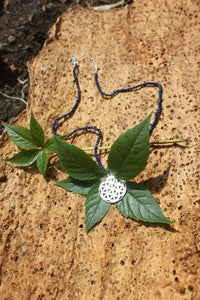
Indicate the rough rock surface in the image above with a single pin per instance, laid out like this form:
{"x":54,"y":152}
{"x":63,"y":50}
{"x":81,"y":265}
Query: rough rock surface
{"x":45,"y":252}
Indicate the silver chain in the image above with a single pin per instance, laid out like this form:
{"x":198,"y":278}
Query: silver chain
{"x":75,"y":59}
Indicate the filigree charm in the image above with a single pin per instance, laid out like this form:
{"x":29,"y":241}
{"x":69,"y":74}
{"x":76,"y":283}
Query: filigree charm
{"x":112,"y":190}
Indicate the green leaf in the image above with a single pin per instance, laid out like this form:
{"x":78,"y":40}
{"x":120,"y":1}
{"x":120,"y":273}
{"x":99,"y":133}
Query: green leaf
{"x":129,"y":153}
{"x":36,"y":131}
{"x":20,"y":136}
{"x":76,"y":186}
{"x":42,"y":161}
{"x":96,"y":208}
{"x":76,"y":162}
{"x":50,"y":146}
{"x":139,"y":204}
{"x":24,"y":158}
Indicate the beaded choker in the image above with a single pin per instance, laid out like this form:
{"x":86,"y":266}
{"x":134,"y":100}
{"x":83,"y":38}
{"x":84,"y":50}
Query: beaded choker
{"x":74,"y":61}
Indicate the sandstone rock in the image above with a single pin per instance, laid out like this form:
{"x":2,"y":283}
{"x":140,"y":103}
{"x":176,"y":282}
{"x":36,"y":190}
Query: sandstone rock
{"x":45,"y":252}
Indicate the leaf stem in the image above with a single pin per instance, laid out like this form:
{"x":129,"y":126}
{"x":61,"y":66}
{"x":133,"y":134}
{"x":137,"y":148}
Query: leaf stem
{"x":99,"y":148}
{"x":151,"y":143}
{"x":168,"y":142}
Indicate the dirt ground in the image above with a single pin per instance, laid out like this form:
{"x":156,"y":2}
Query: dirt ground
{"x":45,"y":252}
{"x":24,"y":27}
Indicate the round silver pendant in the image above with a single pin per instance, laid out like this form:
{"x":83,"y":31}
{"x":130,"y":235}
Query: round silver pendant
{"x":112,"y":190}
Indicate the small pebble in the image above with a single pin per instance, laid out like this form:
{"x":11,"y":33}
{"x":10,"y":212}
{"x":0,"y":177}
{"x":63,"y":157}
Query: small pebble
{"x":27,"y":48}
{"x":11,"y":39}
{"x":2,"y":46}
{"x":30,"y":18}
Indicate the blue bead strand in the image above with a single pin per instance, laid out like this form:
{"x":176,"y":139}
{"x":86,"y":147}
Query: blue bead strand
{"x":139,"y":86}
{"x":130,"y":89}
{"x":75,"y":105}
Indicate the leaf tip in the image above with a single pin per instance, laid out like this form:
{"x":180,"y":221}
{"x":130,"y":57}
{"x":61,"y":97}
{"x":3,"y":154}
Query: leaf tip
{"x":32,"y":116}
{"x":171,"y":222}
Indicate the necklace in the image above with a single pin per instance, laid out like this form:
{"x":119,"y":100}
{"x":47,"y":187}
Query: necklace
{"x":74,"y":61}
